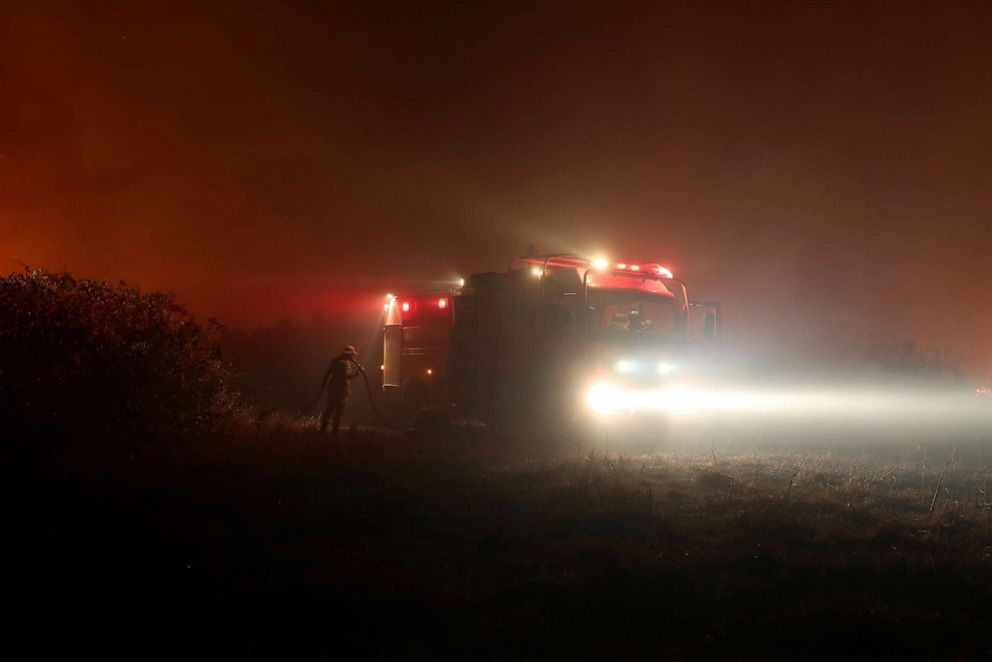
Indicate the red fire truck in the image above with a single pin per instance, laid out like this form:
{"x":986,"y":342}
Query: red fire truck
{"x":553,"y":334}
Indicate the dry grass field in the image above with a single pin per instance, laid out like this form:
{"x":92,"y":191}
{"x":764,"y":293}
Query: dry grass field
{"x":283,"y":543}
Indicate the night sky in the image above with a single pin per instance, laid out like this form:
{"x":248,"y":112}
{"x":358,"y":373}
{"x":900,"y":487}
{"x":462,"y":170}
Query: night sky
{"x":822,"y":168}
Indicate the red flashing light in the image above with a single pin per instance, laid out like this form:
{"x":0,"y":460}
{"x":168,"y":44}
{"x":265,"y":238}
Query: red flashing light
{"x":405,"y":307}
{"x":442,"y":303}
{"x":653,"y":268}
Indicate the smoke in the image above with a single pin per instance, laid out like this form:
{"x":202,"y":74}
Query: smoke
{"x":810,"y":166}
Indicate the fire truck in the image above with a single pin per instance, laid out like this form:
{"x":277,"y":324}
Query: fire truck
{"x":553,"y":335}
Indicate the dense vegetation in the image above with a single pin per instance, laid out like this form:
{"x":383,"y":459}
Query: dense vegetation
{"x":83,"y":361}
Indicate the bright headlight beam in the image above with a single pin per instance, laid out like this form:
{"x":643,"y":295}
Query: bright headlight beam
{"x":604,"y":398}
{"x":825,"y":404}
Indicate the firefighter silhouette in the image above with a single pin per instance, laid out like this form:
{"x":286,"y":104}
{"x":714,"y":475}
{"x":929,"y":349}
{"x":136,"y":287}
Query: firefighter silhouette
{"x":337,"y":379}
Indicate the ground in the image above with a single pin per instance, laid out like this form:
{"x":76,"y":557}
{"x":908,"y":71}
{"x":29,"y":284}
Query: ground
{"x":284,"y":543}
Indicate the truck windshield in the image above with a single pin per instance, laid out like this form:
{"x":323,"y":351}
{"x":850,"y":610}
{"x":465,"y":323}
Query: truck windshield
{"x":632,"y":315}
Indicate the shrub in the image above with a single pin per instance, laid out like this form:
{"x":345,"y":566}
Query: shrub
{"x":906,"y":360}
{"x":82,"y":361}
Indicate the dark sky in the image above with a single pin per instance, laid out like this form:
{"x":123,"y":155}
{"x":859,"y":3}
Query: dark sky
{"x":822,"y":168}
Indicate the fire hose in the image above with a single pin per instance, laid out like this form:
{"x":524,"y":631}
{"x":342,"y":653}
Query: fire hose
{"x":368,"y":389}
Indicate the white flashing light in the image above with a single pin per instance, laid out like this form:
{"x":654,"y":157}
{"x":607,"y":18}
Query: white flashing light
{"x":536,"y":271}
{"x":600,"y":263}
{"x":389,"y":297}
{"x":635,"y":267}
{"x":665,"y":272}
{"x":621,"y":265}
{"x":442,"y":303}
{"x":405,"y":307}
{"x":665,"y":368}
{"x":461,"y":282}
{"x":385,"y":307}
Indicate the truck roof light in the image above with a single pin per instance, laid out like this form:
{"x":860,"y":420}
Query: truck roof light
{"x":621,"y":265}
{"x":600,"y":263}
{"x":635,"y":267}
{"x":665,"y":272}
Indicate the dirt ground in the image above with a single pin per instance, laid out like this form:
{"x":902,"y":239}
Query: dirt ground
{"x":286,"y":544}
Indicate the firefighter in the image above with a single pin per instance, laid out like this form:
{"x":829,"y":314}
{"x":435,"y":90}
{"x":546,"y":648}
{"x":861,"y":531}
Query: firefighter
{"x":337,"y":379}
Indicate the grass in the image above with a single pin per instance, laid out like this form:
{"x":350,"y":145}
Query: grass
{"x":283,"y":543}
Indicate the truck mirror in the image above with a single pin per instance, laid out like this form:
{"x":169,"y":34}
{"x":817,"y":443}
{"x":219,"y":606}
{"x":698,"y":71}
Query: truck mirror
{"x":709,"y":329}
{"x":709,"y":324}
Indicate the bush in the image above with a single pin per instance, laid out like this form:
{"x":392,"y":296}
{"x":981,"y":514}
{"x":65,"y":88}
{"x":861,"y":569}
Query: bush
{"x":83,"y":361}
{"x":905,"y":360}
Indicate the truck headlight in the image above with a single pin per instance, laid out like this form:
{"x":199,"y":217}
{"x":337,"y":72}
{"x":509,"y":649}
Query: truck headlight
{"x":604,"y":398}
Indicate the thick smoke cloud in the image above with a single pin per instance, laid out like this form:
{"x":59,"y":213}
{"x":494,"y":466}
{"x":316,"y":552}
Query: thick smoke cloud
{"x":821,"y":169}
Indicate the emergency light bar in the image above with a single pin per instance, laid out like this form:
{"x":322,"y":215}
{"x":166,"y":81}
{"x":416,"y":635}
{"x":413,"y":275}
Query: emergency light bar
{"x":538,"y":264}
